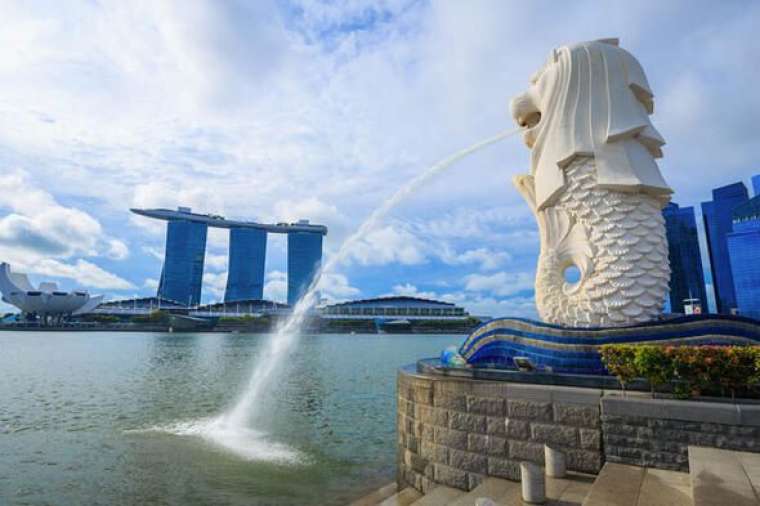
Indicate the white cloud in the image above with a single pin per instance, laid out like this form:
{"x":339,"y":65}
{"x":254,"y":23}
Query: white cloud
{"x":501,"y":283}
{"x":410,"y":290}
{"x":387,"y":245}
{"x":488,"y":260}
{"x":335,"y":287}
{"x":117,"y":250}
{"x":215,"y":283}
{"x":150,"y":284}
{"x":316,"y":110}
{"x":215,"y":262}
{"x":276,"y":286}
{"x":82,"y":272}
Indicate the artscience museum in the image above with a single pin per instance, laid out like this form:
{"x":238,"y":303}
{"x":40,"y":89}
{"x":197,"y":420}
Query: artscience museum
{"x":46,"y":302}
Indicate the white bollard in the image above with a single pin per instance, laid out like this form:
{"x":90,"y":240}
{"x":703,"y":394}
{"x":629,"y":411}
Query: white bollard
{"x":556,"y":462}
{"x":533,"y":483}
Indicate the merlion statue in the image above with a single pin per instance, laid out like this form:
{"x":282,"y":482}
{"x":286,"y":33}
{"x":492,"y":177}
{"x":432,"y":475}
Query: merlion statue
{"x":595,"y":187}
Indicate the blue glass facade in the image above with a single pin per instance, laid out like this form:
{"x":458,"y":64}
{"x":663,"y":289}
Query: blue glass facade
{"x":744,"y":253}
{"x":686,"y":278}
{"x":245,"y":278}
{"x":304,"y":260}
{"x":718,"y":218}
{"x":182,"y":273}
{"x":756,"y":185}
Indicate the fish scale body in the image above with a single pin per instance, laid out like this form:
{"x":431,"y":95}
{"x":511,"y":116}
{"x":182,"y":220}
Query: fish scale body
{"x":629,"y":275}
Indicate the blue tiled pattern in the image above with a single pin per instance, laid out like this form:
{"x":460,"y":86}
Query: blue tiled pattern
{"x":573,"y":350}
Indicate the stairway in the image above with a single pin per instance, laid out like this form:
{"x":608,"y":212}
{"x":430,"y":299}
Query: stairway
{"x":568,"y":491}
{"x":716,"y":478}
{"x":722,"y":477}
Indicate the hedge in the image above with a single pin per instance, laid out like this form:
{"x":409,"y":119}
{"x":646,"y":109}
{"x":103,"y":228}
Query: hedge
{"x":686,"y":370}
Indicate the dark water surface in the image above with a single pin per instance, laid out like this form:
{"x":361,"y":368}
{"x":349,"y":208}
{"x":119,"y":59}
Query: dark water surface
{"x":79,"y":412}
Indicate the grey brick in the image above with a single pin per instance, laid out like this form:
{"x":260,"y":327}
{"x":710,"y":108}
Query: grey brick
{"x":468,"y":461}
{"x":450,"y":401}
{"x":495,"y":426}
{"x":524,"y":450}
{"x":496,"y":446}
{"x":451,"y":438}
{"x":467,"y":422}
{"x":477,"y":443}
{"x":485,"y":405}
{"x":556,"y":434}
{"x":540,"y":411}
{"x":503,"y":468}
{"x":590,"y":439}
{"x":517,"y":429}
{"x":577,"y":415}
{"x":451,"y":477}
{"x":434,"y":452}
{"x":584,"y":460}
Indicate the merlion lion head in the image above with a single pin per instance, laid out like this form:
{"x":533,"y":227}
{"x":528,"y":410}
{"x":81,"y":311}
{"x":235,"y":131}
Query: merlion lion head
{"x":591,"y":99}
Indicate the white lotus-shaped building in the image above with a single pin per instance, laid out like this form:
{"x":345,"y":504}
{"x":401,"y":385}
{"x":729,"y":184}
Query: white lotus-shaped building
{"x":47,"y":300}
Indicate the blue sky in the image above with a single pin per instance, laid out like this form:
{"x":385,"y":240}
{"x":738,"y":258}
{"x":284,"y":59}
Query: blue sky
{"x":301,"y":109}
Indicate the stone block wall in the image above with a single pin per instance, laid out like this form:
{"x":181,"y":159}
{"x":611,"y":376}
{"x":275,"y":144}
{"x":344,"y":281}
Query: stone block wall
{"x":658,"y":432}
{"x":457,"y":431}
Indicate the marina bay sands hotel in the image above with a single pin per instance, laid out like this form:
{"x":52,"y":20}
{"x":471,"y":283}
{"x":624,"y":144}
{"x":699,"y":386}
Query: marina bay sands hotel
{"x":182,"y":272}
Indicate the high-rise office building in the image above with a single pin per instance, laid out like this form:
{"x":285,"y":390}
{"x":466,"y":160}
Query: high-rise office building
{"x":744,"y":254}
{"x":304,"y":261}
{"x":182,"y":273}
{"x":686,"y":277}
{"x":245,"y":276}
{"x":756,"y":184}
{"x":718,"y":218}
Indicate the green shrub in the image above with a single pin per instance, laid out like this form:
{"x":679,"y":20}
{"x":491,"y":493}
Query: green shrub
{"x":690,"y":370}
{"x":619,"y":361}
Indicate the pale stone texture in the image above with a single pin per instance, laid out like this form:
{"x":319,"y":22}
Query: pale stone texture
{"x":461,"y":443}
{"x":595,"y":187}
{"x":455,"y":432}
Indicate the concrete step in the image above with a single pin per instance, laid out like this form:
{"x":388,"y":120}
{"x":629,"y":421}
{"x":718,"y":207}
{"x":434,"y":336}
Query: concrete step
{"x":622,"y":485}
{"x":377,"y":496}
{"x":403,"y":498}
{"x":616,"y":485}
{"x":439,"y":496}
{"x":723,"y":477}
{"x":665,"y":488}
{"x":569,"y":491}
{"x":492,"y":488}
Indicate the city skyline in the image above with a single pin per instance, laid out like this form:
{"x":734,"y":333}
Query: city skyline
{"x":321,"y":115}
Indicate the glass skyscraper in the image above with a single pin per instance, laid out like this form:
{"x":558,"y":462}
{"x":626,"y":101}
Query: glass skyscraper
{"x":686,"y":278}
{"x":245,"y":278}
{"x":756,"y":185}
{"x":744,"y":253}
{"x":182,"y":273}
{"x":304,"y":260}
{"x":718,"y":218}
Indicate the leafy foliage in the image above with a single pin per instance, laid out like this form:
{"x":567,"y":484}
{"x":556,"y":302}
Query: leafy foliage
{"x":688,"y":370}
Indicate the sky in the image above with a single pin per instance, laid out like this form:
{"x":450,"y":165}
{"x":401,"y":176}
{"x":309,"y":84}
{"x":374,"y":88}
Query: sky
{"x":277,"y":111}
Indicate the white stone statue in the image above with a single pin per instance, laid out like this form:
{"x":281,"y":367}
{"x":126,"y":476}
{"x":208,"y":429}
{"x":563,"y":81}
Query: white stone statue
{"x":595,"y":187}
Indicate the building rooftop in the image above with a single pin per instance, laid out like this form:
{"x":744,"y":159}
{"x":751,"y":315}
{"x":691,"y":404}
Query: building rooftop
{"x":749,"y":210}
{"x":214,"y":220}
{"x":395,"y":300}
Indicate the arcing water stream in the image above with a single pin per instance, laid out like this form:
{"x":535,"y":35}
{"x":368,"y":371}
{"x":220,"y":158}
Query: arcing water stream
{"x":231,"y":429}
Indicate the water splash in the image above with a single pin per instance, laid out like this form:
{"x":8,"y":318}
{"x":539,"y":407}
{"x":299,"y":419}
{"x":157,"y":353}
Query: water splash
{"x":230,"y":429}
{"x":247,"y":443}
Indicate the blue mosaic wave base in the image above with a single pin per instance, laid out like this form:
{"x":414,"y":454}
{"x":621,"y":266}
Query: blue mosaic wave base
{"x":575,"y":350}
